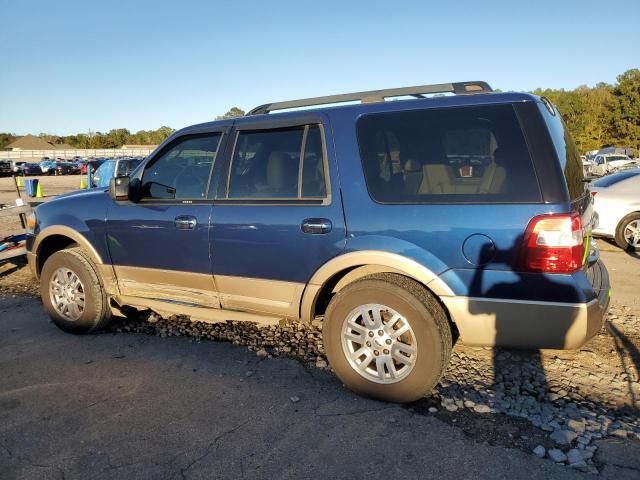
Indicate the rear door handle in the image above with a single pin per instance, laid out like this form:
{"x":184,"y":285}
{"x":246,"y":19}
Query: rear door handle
{"x":185,"y":222}
{"x":316,"y":226}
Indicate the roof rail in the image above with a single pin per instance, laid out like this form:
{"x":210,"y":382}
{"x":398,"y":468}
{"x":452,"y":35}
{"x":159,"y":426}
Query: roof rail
{"x":373,"y":96}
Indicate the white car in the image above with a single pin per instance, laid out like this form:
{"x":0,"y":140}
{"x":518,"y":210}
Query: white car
{"x":608,"y":163}
{"x":587,"y":167}
{"x":617,"y":203}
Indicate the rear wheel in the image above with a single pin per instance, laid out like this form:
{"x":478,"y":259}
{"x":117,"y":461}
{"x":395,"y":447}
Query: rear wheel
{"x":628,"y":233}
{"x":387,"y":337}
{"x":72,"y":292}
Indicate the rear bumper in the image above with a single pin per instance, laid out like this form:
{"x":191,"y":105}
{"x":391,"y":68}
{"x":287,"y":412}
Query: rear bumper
{"x":532,"y":324}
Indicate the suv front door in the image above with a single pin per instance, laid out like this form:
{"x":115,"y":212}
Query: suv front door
{"x":159,"y":242}
{"x":277,"y":215}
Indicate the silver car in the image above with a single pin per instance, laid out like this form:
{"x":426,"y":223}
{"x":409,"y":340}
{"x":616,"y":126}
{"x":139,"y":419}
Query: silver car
{"x":609,"y":163}
{"x":617,"y":202}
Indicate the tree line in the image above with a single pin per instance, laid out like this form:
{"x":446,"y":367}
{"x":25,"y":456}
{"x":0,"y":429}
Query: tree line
{"x":601,"y":116}
{"x":114,"y":138}
{"x":604,"y":115}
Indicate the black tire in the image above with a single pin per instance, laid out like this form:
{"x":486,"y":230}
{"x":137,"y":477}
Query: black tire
{"x":96,"y":313}
{"x":619,"y":238}
{"x":426,"y":317}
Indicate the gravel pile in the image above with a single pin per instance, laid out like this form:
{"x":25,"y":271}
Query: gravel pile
{"x":577,"y":397}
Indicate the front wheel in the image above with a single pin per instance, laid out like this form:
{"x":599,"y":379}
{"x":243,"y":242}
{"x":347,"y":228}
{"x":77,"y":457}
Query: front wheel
{"x":72,"y":292}
{"x":387,"y":337}
{"x":628,"y":233}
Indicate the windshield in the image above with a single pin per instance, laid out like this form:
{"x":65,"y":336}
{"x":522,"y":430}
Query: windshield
{"x":618,"y":157}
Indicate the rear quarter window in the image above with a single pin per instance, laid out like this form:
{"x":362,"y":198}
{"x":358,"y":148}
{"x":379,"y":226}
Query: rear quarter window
{"x":567,"y":152}
{"x":448,"y":155}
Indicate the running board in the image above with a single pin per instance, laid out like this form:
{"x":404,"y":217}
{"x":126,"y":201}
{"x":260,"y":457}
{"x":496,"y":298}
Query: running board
{"x":197,"y":314}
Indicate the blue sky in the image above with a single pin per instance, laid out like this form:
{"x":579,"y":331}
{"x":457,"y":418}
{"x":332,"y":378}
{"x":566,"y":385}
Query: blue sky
{"x":70,"y":66}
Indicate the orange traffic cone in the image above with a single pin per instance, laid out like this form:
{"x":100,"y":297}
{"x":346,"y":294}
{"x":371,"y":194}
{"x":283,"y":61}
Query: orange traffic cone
{"x":39,"y":191}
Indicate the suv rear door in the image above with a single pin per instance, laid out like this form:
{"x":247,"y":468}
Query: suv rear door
{"x":277,"y":214}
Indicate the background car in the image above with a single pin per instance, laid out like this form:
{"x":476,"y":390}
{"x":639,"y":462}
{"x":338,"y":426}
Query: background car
{"x":48,"y":167}
{"x":114,"y":168}
{"x":31,"y":169}
{"x":5,"y":167}
{"x":608,"y":163}
{"x":16,"y":166}
{"x":617,"y":202}
{"x":95,"y":164}
{"x":67,"y":168}
{"x":587,"y":167}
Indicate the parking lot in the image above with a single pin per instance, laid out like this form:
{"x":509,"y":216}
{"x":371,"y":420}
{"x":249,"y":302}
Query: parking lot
{"x":166,"y":399}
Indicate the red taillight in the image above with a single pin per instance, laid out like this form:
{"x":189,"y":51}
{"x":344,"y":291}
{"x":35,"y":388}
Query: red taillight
{"x":593,"y":194}
{"x":554,"y":244}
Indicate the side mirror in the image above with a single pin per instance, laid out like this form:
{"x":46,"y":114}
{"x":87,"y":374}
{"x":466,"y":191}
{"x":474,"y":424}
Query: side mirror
{"x":119,"y":188}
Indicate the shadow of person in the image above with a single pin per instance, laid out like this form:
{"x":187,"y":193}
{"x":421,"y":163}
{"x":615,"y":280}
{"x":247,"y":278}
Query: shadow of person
{"x":519,"y":306}
{"x":625,"y":347}
{"x":11,"y":267}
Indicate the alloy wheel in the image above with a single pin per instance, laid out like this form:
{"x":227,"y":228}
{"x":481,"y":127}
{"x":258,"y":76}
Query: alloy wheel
{"x":67,"y":294}
{"x":379,"y":343}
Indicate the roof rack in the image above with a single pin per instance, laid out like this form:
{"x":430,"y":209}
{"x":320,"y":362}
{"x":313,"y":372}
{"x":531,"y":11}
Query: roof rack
{"x":373,"y":96}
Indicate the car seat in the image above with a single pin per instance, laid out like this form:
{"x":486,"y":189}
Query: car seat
{"x":494,"y":174}
{"x":282,"y":176}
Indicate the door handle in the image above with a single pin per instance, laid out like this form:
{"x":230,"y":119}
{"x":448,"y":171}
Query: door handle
{"x":316,"y":226}
{"x":185,"y":222}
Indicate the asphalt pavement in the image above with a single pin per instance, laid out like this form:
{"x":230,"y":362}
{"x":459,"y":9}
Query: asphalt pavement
{"x":138,"y":406}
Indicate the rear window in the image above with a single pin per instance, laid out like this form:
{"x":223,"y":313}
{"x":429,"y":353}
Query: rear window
{"x":453,"y":155}
{"x":615,"y":178}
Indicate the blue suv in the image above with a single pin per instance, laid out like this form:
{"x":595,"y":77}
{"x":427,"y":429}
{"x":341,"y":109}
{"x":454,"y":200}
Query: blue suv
{"x":404,"y":225}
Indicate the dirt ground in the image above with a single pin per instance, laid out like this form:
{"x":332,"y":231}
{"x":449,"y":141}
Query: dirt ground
{"x":51,"y":186}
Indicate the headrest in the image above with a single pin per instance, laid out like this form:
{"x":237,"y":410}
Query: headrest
{"x":412,"y":165}
{"x":280,"y":169}
{"x":500,"y":156}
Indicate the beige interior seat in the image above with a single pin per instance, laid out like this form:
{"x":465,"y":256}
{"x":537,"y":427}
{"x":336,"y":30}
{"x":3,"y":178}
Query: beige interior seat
{"x":437,"y":178}
{"x":282,"y":175}
{"x":494,"y":174}
{"x":413,"y":176}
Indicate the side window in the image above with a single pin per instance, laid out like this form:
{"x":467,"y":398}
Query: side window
{"x":284,"y":163}
{"x":452,"y":155}
{"x":181,"y":171}
{"x":314,"y":183}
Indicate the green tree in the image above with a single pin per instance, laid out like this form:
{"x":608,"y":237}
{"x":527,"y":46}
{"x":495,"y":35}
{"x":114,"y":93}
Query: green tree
{"x":626,"y":120}
{"x":160,"y":135}
{"x":6,"y":139}
{"x":234,"y":112}
{"x":597,"y":125}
